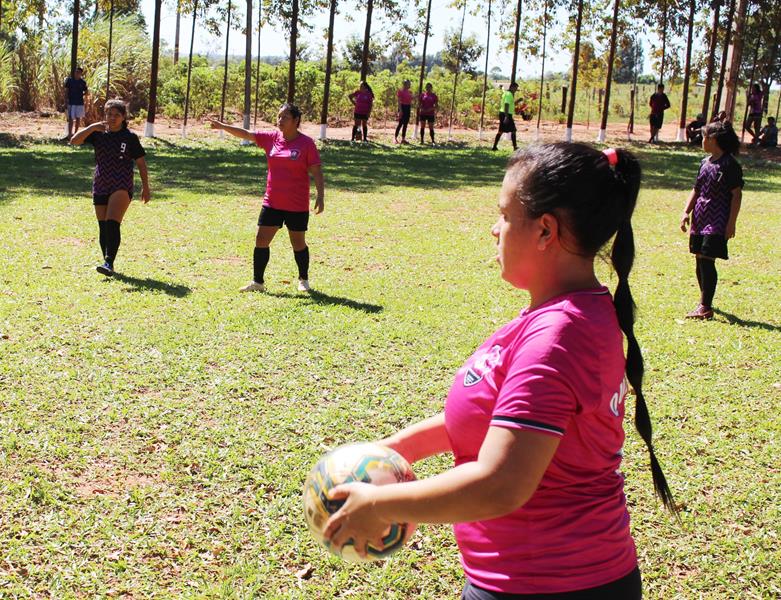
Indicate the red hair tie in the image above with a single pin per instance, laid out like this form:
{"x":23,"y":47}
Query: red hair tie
{"x":612,"y":156}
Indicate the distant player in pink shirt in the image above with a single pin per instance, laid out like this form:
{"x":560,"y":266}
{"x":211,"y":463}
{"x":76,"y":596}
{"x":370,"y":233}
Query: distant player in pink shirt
{"x":427,"y":111}
{"x":534,"y":417}
{"x":362,"y":99}
{"x":292,"y":159}
{"x":404,"y":96}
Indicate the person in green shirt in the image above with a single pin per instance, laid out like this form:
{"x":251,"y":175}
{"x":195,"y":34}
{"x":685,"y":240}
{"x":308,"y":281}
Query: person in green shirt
{"x":506,"y":111}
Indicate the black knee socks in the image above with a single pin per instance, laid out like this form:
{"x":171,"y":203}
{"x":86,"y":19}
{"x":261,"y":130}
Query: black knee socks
{"x":302,"y":260}
{"x":398,"y":128}
{"x":497,"y":138}
{"x":365,"y":129}
{"x":431,"y":132}
{"x":709,"y":278}
{"x":102,"y":238}
{"x":259,"y":261}
{"x":515,"y":143}
{"x":113,"y":240}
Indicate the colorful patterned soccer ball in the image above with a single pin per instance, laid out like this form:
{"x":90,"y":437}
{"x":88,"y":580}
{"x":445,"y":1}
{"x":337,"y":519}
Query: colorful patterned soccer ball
{"x":369,"y":463}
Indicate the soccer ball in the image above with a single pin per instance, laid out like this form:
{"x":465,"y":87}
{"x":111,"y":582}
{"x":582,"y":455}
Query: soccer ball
{"x":369,"y":463}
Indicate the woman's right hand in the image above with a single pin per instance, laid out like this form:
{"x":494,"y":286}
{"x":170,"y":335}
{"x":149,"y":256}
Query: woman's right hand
{"x":685,"y":222}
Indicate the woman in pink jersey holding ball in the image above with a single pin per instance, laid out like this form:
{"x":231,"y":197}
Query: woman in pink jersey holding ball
{"x":534,"y":416}
{"x":292,"y":159}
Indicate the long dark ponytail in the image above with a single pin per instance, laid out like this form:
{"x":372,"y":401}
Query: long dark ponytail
{"x":595,"y":194}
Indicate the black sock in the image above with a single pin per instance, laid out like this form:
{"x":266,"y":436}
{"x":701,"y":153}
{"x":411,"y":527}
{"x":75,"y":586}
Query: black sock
{"x":102,"y":238}
{"x":398,"y":128}
{"x":515,"y":143}
{"x":259,"y":261}
{"x":302,"y":260}
{"x":365,"y":131}
{"x":404,"y":131}
{"x":698,"y":271}
{"x":497,"y":138}
{"x":113,"y":240}
{"x":422,"y":132}
{"x":709,"y":280}
{"x":431,"y":132}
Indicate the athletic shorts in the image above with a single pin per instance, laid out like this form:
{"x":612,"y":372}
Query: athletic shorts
{"x":102,"y":199}
{"x":361,"y":116}
{"x":506,"y":125}
{"x":427,"y":118}
{"x":656,"y":120}
{"x":629,"y":587}
{"x":754,"y":119}
{"x":404,"y":114}
{"x":273,"y":217}
{"x":710,"y":245}
{"x":75,"y":111}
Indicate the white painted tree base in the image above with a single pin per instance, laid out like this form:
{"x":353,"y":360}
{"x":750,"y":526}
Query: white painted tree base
{"x":601,"y":136}
{"x":480,"y":135}
{"x":222,"y":134}
{"x":681,"y":137}
{"x":507,"y":137}
{"x":149,"y":130}
{"x":568,"y":134}
{"x":184,"y":131}
{"x":537,"y":134}
{"x":323,"y":130}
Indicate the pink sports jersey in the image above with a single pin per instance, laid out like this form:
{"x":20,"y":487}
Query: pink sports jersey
{"x":404,"y":96}
{"x":428,"y":101}
{"x":556,"y":370}
{"x":287,"y":183}
{"x":363,"y":102}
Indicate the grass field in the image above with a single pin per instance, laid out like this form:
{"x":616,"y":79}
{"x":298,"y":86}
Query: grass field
{"x":156,"y":429}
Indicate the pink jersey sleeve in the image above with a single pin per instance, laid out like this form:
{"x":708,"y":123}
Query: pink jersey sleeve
{"x":547,"y":376}
{"x":265,"y":139}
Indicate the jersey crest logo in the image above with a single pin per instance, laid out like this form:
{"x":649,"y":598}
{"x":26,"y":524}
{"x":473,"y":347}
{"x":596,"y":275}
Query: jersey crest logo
{"x":294,"y":154}
{"x":484,"y":363}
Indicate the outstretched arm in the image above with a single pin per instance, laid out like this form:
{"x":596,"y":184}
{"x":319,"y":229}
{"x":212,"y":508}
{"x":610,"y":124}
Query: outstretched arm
{"x":233,"y":130}
{"x":78,"y":139}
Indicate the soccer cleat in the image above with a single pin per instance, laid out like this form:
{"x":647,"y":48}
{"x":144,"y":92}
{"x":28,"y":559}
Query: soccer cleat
{"x":105,"y":269}
{"x":702,"y":313}
{"x":303,"y":285}
{"x":253,"y":287}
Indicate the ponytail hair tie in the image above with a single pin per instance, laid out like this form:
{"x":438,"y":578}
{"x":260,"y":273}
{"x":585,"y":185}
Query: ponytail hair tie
{"x":611,"y":155}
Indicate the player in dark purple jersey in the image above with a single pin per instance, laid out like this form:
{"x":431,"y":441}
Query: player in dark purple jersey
{"x":714,"y":204}
{"x":117,"y":152}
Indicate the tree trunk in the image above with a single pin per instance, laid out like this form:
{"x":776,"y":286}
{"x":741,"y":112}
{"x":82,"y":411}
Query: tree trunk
{"x":366,"y":34}
{"x":542,"y":70}
{"x":75,"y":37}
{"x":150,"y":115}
{"x":711,"y":58}
{"x":609,"y":79}
{"x":724,"y":53}
{"x":485,"y":72}
{"x":422,"y":66}
{"x":248,"y":67}
{"x":664,"y":43}
{"x":291,"y":74}
{"x":176,"y":34}
{"x":257,"y":68}
{"x":575,"y":61}
{"x":734,"y":58}
{"x":458,"y":68}
{"x":328,"y":60}
{"x":189,"y":69}
{"x":110,"y":42}
{"x":225,"y":68}
{"x":516,"y":39}
{"x":686,"y":74}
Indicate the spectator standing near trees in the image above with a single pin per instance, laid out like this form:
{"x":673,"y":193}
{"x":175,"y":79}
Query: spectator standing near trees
{"x":506,"y":121}
{"x":754,"y":121}
{"x":659,"y":103}
{"x":427,"y":113}
{"x":404,"y":96}
{"x":75,"y":90}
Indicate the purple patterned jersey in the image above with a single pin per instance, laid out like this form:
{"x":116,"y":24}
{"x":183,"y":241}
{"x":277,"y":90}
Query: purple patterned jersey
{"x":715,"y":182}
{"x":115,"y":156}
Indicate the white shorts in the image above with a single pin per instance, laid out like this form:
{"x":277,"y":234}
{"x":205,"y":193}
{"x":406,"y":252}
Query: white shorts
{"x":75,"y":111}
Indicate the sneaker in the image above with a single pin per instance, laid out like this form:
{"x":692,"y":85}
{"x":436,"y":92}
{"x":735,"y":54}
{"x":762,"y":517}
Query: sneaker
{"x":253,"y":287}
{"x":702,"y":312}
{"x":303,"y":285}
{"x":405,"y":142}
{"x":105,"y":269}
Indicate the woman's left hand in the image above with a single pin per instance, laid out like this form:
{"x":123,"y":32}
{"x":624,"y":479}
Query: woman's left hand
{"x":357,"y":519}
{"x":146,"y":194}
{"x":319,"y":206}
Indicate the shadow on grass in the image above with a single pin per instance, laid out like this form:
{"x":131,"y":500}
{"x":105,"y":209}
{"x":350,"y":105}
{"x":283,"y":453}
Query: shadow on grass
{"x":735,"y":320}
{"x":315,"y":297}
{"x":148,"y":284}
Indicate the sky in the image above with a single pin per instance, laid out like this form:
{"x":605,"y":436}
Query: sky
{"x":273,"y":42}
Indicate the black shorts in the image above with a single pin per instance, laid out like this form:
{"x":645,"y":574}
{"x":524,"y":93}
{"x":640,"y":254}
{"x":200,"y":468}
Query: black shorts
{"x":754,"y":119}
{"x":629,"y":587}
{"x":506,"y":125}
{"x":656,"y":120}
{"x":102,"y":199}
{"x":711,"y":245}
{"x":427,"y":118}
{"x":361,"y":116}
{"x":273,"y":217}
{"x":404,"y":113}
